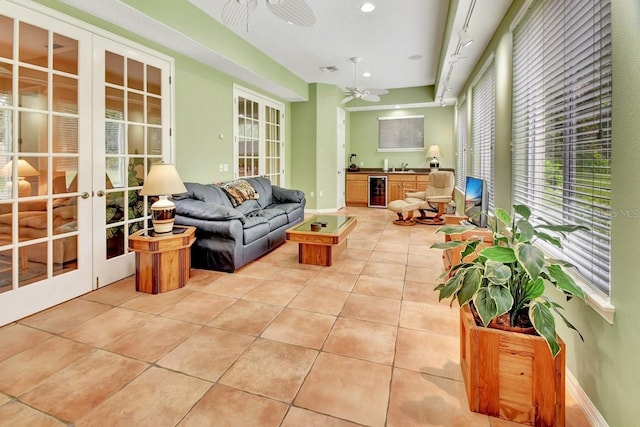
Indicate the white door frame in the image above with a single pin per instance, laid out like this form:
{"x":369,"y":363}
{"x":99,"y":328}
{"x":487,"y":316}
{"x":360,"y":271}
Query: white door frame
{"x":340,"y":197}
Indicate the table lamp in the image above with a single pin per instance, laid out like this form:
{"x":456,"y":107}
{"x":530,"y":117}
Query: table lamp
{"x":24,"y":169}
{"x":163,"y":180}
{"x":434,"y":152}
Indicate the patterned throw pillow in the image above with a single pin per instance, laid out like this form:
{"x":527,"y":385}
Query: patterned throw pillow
{"x":238,"y":191}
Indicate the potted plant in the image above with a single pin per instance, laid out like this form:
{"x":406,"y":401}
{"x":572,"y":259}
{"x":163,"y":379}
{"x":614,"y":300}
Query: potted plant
{"x":499,"y":287}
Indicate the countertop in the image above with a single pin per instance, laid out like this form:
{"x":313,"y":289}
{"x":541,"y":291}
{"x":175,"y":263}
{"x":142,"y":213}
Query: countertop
{"x":370,"y":171}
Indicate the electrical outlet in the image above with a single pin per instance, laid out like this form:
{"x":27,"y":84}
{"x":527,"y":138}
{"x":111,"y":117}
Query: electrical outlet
{"x":225,"y":167}
{"x":320,"y":194}
{"x":361,"y":164}
{"x":221,"y":168}
{"x":312,"y":194}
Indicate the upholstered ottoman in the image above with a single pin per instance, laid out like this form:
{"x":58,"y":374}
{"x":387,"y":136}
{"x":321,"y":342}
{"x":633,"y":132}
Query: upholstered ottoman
{"x":402,"y":208}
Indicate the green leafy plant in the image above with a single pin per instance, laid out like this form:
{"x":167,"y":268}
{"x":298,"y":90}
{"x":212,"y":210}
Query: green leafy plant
{"x":508,"y":279}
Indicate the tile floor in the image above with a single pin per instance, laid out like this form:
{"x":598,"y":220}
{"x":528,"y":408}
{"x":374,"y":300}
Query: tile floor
{"x":363,"y":342}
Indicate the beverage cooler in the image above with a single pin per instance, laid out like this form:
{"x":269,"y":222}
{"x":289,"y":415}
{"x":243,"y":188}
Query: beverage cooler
{"x":377,"y":191}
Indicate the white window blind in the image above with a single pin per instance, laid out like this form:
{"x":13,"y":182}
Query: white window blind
{"x":483,"y":128}
{"x":562,"y":125}
{"x":404,"y":133}
{"x":461,"y":147}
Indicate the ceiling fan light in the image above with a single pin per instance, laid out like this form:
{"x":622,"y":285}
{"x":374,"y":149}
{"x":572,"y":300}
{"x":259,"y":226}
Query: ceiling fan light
{"x":367,"y":7}
{"x":465,"y":38}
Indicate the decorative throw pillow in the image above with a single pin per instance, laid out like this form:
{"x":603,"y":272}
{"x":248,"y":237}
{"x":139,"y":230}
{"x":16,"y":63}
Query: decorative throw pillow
{"x":238,"y":191}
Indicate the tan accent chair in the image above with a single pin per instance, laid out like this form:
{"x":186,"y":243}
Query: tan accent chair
{"x":438,"y":194}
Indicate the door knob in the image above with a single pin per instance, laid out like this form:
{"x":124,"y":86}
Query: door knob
{"x":100,"y":193}
{"x":84,"y":195}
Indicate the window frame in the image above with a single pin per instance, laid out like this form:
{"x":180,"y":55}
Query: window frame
{"x":462,"y":144}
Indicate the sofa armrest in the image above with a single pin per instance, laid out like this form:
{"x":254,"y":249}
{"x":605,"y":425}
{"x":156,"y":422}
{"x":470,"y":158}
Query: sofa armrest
{"x":282,"y":195}
{"x":198,"y":209}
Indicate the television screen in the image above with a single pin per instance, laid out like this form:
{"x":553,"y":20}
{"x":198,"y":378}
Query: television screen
{"x":475,"y":201}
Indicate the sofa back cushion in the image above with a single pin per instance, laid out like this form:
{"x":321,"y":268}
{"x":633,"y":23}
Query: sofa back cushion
{"x":209,"y":193}
{"x":263,"y":188}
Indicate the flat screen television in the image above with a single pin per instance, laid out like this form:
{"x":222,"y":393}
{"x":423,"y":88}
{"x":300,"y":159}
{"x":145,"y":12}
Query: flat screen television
{"x":475,"y":201}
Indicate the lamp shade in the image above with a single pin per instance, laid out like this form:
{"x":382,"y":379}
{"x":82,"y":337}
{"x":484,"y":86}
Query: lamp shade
{"x":434,"y":151}
{"x":24,"y":168}
{"x":163,"y":179}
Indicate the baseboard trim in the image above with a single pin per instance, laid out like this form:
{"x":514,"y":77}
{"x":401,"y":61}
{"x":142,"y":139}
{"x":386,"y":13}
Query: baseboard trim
{"x":590,"y":410}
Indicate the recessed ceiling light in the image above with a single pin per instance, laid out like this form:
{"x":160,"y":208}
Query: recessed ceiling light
{"x":366,"y":74}
{"x":397,"y":106}
{"x":367,"y":7}
{"x":415,"y":57}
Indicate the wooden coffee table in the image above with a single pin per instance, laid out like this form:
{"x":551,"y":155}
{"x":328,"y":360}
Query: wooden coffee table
{"x":322,"y":247}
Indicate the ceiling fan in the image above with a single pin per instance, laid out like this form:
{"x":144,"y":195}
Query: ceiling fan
{"x":371,"y":95}
{"x":295,"y":12}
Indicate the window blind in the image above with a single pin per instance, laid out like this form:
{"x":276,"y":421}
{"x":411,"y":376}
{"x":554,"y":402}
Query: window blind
{"x":562,"y":125}
{"x":461,"y":147}
{"x":404,"y":133}
{"x":483,"y":129}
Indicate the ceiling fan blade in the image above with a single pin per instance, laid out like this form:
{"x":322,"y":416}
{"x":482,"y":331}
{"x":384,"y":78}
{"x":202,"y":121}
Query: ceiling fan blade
{"x":235,"y":12}
{"x":377,"y":91}
{"x":371,"y":97}
{"x":347,"y":99}
{"x":295,"y":12}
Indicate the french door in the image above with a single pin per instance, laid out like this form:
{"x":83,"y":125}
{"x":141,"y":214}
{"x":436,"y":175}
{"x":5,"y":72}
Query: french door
{"x":45,"y":170}
{"x":82,"y":119}
{"x":132,"y":107}
{"x":259,"y":137}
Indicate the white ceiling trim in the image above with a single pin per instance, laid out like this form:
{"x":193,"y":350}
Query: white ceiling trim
{"x":374,"y":107}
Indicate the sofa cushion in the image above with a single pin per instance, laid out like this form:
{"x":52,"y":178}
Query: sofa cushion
{"x":276,"y":217}
{"x":206,"y":193}
{"x":254,"y":228}
{"x":248,"y":207}
{"x":263,"y":187}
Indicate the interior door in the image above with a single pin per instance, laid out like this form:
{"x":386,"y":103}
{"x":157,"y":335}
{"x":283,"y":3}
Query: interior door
{"x":133,"y":104}
{"x":340,"y":202}
{"x":45,"y":157}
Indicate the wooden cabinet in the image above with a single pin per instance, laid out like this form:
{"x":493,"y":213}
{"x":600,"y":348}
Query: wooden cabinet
{"x":398,"y":184}
{"x":356,"y":189}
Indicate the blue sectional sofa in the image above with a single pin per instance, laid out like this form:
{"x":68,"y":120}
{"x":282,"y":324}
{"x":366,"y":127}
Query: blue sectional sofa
{"x":234,"y":228}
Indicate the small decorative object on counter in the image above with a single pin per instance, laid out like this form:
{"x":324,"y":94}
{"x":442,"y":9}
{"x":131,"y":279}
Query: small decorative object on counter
{"x":353,"y":165}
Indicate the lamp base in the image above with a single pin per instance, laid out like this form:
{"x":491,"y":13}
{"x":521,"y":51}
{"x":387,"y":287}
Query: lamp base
{"x":163,"y":214}
{"x":434,"y":164}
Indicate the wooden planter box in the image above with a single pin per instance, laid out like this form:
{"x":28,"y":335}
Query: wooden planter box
{"x":511,"y":375}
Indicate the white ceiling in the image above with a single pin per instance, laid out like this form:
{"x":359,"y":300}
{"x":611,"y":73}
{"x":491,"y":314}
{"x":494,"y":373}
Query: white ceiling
{"x":384,"y":39}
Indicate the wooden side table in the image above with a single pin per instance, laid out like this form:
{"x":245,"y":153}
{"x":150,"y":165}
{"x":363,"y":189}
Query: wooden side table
{"x":163,"y":261}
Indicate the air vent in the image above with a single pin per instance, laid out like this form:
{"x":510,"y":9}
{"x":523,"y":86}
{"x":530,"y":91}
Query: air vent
{"x":329,"y":69}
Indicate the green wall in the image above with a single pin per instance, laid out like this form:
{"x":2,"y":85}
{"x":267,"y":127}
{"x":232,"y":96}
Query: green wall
{"x":438,"y":129}
{"x":605,"y":364}
{"x":314,"y":158}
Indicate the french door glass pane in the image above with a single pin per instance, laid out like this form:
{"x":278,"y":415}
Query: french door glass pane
{"x":133,"y":142}
{"x":38,"y":159}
